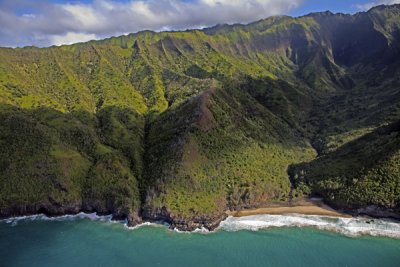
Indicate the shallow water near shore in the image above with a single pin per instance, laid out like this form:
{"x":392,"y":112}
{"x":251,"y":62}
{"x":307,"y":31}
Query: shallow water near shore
{"x":88,"y":240}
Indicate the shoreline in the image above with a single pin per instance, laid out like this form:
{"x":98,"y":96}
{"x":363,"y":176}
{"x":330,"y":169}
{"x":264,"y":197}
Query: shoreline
{"x":273,"y":211}
{"x":303,"y":207}
{"x":347,"y":226}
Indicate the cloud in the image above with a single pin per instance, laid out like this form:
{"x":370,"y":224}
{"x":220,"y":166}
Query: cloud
{"x":370,"y":5}
{"x":47,"y":23}
{"x":71,"y":37}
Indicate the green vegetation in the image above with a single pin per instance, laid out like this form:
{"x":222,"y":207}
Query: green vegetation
{"x":227,"y":159}
{"x":183,"y":125}
{"x":57,"y":162}
{"x":363,"y":172}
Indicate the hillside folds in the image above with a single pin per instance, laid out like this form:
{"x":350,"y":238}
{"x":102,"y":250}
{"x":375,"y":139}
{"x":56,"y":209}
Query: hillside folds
{"x":362,"y":172}
{"x":181,"y":126}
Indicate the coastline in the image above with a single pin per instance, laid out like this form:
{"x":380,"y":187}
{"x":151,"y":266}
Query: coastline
{"x":306,"y":213}
{"x":348,"y":226}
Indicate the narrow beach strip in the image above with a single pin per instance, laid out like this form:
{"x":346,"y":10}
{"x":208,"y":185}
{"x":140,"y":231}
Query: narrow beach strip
{"x":313,"y":206}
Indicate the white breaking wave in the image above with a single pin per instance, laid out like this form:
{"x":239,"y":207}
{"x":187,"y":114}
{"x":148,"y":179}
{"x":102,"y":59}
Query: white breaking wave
{"x":347,"y":226}
{"x":201,"y":230}
{"x":79,"y":216}
{"x":153,"y":224}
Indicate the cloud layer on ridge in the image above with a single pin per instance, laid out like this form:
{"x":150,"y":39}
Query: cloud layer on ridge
{"x":42,"y":23}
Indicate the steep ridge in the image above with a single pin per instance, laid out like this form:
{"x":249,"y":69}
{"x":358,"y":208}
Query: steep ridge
{"x":181,"y":126}
{"x":362,"y":174}
{"x":218,"y":157}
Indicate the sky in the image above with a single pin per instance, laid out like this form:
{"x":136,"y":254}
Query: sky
{"x":56,"y":22}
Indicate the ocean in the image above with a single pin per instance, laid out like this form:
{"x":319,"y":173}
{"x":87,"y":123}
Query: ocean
{"x":262,"y":240}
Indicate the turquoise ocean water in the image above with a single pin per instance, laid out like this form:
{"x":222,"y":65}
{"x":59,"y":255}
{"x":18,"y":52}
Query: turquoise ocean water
{"x":85,"y":242}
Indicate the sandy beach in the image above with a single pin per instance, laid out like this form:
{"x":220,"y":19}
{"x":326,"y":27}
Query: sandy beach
{"x":307,"y":207}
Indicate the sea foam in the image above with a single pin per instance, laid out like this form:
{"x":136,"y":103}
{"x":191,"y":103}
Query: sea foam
{"x":153,"y":224}
{"x":80,"y":216}
{"x":201,"y":230}
{"x":348,"y":226}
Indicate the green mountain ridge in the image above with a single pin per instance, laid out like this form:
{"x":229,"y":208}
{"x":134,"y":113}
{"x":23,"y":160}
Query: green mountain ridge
{"x":181,"y":126}
{"x":362,"y":171}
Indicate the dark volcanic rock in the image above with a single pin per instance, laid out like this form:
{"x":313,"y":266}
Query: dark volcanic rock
{"x":47,"y":209}
{"x":183,"y":224}
{"x":378,"y":212}
{"x":208,"y":222}
{"x":134,"y":219}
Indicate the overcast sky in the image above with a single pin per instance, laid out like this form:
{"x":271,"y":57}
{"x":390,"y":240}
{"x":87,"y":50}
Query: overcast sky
{"x":55,"y":22}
